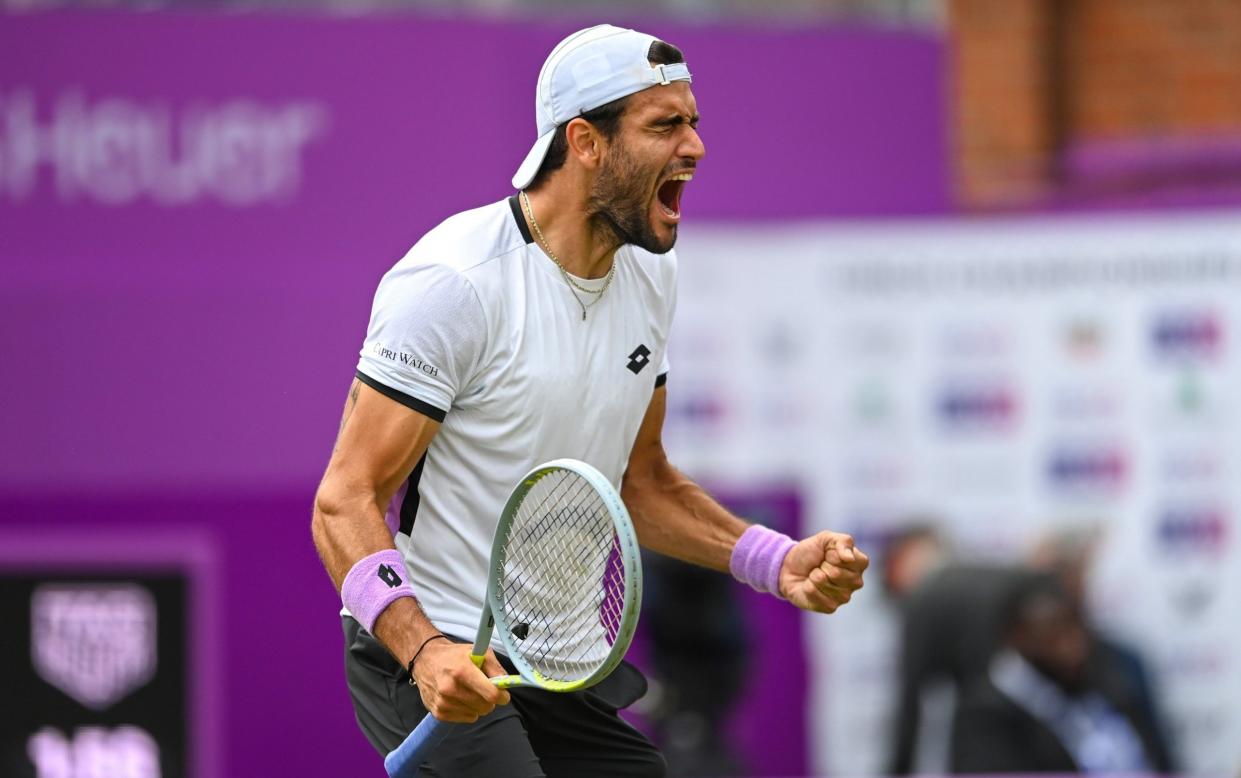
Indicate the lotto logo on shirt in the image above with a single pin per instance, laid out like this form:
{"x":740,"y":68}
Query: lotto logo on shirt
{"x":405,"y":359}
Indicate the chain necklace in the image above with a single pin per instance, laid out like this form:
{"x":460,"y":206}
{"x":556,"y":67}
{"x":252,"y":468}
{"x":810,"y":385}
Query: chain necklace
{"x":573,"y":285}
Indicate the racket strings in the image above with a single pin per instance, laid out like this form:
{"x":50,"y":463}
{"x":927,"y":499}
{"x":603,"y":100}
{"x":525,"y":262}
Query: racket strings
{"x":539,"y":594}
{"x":562,"y":585}
{"x":566,"y":536}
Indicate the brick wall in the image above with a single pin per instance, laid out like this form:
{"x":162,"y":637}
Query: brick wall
{"x":1042,"y":84}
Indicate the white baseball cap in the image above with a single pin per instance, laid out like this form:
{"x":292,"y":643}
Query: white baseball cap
{"x":590,"y":68}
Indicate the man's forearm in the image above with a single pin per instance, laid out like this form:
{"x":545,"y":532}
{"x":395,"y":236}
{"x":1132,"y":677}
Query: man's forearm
{"x":347,"y":531}
{"x":675,"y":516}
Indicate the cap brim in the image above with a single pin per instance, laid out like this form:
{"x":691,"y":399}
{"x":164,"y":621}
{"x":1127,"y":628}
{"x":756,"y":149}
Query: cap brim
{"x":530,"y":165}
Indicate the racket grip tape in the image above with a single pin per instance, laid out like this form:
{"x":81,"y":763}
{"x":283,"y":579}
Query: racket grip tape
{"x":404,"y":760}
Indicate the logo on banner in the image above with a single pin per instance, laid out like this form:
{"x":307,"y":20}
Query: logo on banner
{"x":873,"y":403}
{"x":114,"y":150}
{"x":1088,"y":469}
{"x":1187,"y":335}
{"x":1082,"y":404}
{"x":1193,"y":529}
{"x":1193,"y":598}
{"x":989,"y":408}
{"x":94,"y":642}
{"x":1193,"y":466}
{"x":1199,"y":661}
{"x":1084,"y":339}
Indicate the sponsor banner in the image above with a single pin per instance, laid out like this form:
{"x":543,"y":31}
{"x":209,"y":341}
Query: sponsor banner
{"x":1009,"y":377}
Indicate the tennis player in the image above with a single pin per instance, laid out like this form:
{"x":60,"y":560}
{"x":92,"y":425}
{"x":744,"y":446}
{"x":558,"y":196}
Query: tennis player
{"x":530,"y":329}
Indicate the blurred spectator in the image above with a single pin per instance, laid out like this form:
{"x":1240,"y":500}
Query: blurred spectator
{"x":1051,"y":701}
{"x":1067,"y":554}
{"x":951,"y":615}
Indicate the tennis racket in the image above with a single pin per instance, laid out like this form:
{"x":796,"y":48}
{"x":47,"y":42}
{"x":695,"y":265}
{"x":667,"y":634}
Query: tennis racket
{"x":563,"y":591}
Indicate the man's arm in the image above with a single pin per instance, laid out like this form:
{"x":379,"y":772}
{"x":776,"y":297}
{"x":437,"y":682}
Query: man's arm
{"x":674,"y":516}
{"x":379,"y":443}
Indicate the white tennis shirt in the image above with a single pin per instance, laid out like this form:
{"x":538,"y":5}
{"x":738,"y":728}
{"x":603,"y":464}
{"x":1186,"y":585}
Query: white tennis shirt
{"x":476,"y":328}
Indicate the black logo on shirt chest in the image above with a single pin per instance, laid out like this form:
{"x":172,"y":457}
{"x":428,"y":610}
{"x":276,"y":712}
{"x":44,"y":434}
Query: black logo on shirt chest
{"x":640,"y":358}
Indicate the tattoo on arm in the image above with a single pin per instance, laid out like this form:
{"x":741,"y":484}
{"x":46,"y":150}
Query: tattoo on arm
{"x":350,"y":402}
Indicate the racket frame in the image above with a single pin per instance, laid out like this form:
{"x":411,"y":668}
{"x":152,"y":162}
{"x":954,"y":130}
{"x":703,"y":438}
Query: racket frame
{"x":493,"y":611}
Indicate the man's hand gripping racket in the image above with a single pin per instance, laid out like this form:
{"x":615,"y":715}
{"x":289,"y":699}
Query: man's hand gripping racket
{"x":563,"y":591}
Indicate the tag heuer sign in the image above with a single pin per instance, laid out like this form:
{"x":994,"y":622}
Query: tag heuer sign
{"x":94,"y":642}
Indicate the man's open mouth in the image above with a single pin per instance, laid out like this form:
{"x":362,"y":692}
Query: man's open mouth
{"x":669,"y":194}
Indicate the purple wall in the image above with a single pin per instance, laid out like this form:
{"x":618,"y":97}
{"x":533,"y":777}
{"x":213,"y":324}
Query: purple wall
{"x":194,"y":211}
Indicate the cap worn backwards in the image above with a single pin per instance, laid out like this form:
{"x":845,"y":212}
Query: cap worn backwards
{"x":590,"y":68}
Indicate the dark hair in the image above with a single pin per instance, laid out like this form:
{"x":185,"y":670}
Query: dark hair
{"x":919,"y":529}
{"x":1028,"y":588}
{"x":606,"y":118}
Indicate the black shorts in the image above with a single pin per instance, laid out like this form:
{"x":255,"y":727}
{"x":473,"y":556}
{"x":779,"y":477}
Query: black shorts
{"x":539,"y":734}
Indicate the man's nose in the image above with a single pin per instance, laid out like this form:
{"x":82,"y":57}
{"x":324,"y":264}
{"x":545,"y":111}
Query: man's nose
{"x":692,"y":146}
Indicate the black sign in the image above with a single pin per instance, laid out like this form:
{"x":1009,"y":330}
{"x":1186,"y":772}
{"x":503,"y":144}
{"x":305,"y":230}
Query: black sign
{"x":96,"y":676}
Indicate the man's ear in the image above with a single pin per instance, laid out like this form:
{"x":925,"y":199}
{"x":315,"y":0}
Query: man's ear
{"x":585,"y":142}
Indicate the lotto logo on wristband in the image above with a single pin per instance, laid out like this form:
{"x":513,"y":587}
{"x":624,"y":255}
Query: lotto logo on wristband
{"x":373,"y":583}
{"x":389,"y":576}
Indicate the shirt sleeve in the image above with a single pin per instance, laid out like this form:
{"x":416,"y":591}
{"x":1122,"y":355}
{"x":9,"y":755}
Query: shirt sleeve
{"x":425,"y":339}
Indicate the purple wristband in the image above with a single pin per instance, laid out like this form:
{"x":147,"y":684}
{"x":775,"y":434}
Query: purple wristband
{"x":758,"y":557}
{"x":373,"y":583}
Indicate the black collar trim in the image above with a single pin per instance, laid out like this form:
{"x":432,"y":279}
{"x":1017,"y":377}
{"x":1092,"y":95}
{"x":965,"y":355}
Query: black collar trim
{"x":521,"y":219}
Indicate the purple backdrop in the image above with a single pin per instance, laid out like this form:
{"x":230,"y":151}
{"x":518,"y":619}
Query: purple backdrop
{"x":194,"y":211}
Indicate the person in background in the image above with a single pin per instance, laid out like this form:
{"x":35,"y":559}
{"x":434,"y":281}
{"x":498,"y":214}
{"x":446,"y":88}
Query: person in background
{"x":951,"y":617}
{"x":1068,"y":554}
{"x":1045,"y":703}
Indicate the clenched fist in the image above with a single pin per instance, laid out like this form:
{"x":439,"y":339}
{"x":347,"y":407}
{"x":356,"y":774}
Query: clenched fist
{"x":822,"y":572}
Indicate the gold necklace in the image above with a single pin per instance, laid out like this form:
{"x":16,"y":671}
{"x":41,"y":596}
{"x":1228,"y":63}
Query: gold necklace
{"x":573,"y":285}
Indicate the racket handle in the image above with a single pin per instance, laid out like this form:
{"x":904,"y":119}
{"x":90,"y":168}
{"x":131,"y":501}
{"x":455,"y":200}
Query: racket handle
{"x":404,"y":760}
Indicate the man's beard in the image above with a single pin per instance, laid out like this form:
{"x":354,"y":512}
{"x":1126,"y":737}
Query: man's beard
{"x":618,"y":204}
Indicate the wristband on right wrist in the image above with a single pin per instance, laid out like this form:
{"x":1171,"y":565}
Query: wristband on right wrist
{"x":372,"y":584}
{"x":758,"y":556}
